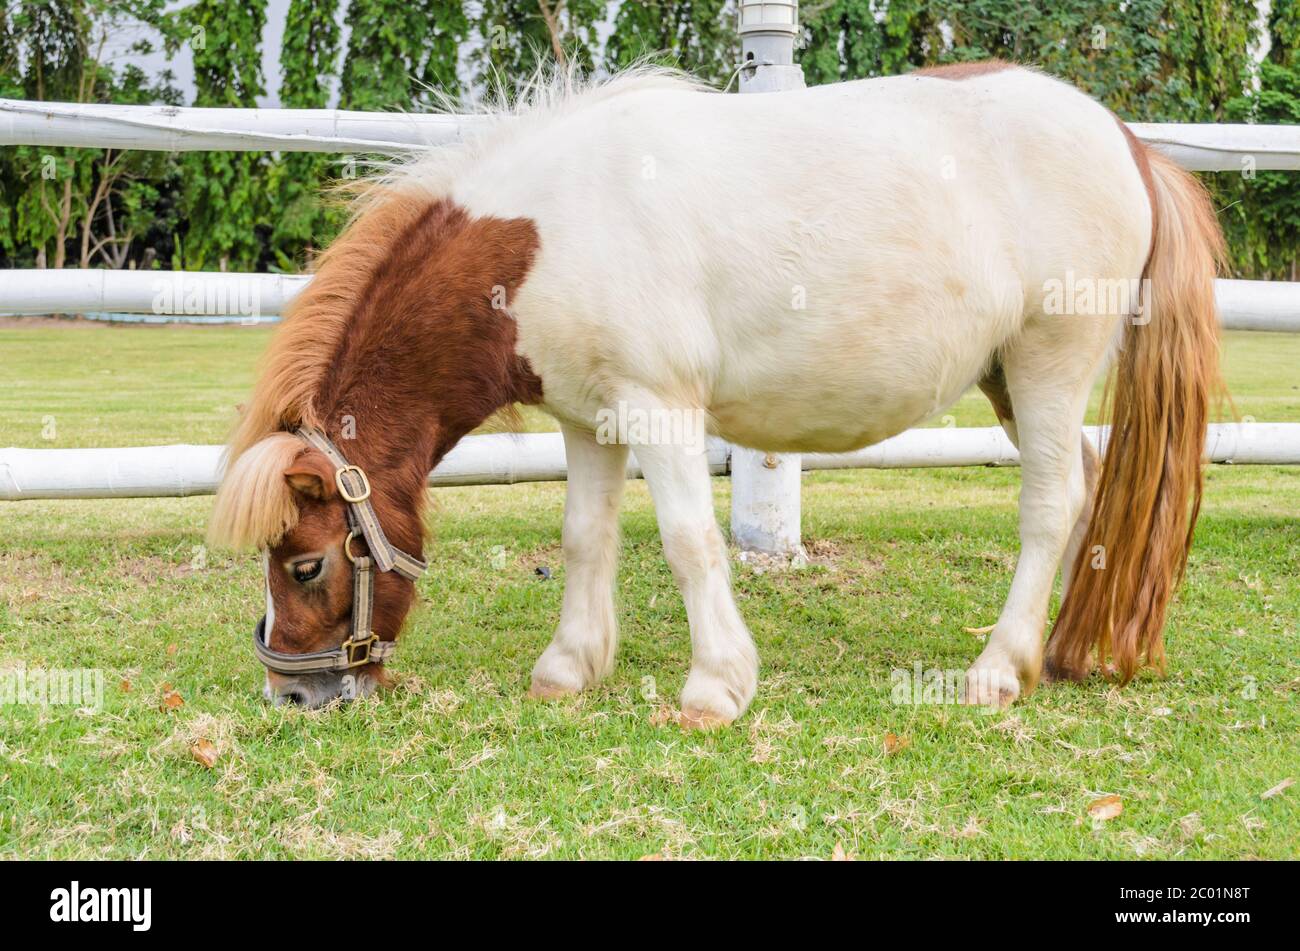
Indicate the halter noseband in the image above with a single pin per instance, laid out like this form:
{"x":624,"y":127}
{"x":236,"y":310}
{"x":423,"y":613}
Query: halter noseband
{"x":363,"y":645}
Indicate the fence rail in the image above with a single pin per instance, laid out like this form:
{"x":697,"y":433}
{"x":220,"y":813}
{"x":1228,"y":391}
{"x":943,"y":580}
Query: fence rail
{"x":1197,"y":146}
{"x":177,"y":129}
{"x":1243,"y":305}
{"x":153,"y":471}
{"x":479,"y":460}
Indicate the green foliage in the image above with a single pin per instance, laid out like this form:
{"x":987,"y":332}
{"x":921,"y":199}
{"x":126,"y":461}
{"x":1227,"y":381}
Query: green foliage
{"x":515,"y":39}
{"x":224,"y":198}
{"x":698,"y":36}
{"x":75,"y":206}
{"x":1284,"y":27}
{"x":1264,"y":222}
{"x":1149,"y":60}
{"x":401,"y":50}
{"x":308,"y":64}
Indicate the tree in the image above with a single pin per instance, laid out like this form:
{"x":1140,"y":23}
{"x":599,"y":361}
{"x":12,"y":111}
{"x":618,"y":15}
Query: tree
{"x":88,"y":204}
{"x":698,"y":36}
{"x":520,"y":37}
{"x":308,"y":63}
{"x":224,"y":200}
{"x":1264,"y":222}
{"x":402,"y":53}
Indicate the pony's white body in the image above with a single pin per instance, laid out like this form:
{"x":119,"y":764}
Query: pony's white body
{"x":818,"y":270}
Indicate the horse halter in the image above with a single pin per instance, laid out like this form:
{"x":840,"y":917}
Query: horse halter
{"x":363,"y":645}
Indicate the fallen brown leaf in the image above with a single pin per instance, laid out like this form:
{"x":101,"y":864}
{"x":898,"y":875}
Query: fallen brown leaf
{"x":1277,"y":790}
{"x":125,"y":685}
{"x":1105,"y":808}
{"x":839,"y":855}
{"x":895,"y":744}
{"x":653,"y":857}
{"x":171,"y":701}
{"x":204,"y":752}
{"x":171,"y":650}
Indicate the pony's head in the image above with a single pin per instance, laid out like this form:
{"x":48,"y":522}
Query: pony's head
{"x":398,"y":347}
{"x":282,"y":495}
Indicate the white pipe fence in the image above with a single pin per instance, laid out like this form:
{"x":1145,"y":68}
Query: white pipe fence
{"x":1207,"y":147}
{"x":503,"y":459}
{"x":177,"y":293}
{"x":480,"y":460}
{"x":176,"y":129}
{"x":1199,"y":147}
{"x":1243,"y":305}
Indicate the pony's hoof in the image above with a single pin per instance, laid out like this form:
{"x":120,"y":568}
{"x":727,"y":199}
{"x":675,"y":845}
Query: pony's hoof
{"x":710,"y":701}
{"x":994,"y":687}
{"x":1056,"y":672}
{"x":705,"y":720}
{"x":557,"y":673}
{"x":540,"y":690}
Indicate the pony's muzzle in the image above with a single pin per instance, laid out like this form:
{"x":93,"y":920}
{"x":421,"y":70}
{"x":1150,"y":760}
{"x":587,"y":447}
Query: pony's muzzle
{"x":310,"y":691}
{"x":315,"y":689}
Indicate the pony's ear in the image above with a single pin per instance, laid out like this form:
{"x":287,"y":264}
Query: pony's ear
{"x":311,"y":475}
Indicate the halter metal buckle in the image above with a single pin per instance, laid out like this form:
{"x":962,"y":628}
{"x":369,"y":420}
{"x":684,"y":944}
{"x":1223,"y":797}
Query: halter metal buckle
{"x":350,"y":646}
{"x":343,"y":490}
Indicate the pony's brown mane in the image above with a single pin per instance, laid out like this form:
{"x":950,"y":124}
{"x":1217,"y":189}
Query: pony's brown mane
{"x":956,"y":72}
{"x":399,"y":338}
{"x":314,"y":326}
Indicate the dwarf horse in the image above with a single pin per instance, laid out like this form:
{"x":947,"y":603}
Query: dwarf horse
{"x":805,"y":271}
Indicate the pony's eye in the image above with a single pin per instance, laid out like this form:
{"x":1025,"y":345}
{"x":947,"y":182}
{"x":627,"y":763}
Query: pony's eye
{"x":305,"y":571}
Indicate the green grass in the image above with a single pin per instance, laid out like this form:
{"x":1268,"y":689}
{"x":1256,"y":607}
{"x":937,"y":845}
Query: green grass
{"x":454,"y":762}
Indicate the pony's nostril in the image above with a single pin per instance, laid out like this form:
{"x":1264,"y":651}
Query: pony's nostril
{"x":294,"y":696}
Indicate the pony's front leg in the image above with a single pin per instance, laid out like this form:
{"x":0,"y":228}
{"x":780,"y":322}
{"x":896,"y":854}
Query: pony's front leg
{"x":582,"y":650}
{"x":724,"y":663}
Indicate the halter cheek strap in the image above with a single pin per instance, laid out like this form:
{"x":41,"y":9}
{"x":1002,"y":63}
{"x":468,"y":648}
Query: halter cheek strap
{"x":363,"y":645}
{"x":354,"y":488}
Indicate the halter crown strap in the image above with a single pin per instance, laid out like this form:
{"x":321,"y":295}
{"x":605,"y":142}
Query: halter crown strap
{"x":354,"y":488}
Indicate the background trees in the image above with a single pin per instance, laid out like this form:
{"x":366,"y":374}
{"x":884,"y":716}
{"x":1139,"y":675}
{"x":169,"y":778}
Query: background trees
{"x":1151,"y":60}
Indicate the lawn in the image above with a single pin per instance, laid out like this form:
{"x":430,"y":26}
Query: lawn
{"x":455,"y":762}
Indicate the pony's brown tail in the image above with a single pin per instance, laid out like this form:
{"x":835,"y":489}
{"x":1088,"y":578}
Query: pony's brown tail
{"x":1158,"y":403}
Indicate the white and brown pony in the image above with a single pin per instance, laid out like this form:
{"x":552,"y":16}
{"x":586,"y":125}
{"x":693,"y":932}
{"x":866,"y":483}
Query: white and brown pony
{"x":808,"y":271}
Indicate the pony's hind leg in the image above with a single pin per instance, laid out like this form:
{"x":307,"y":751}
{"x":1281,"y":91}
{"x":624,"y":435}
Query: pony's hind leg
{"x":724,"y":662}
{"x":1048,"y":374}
{"x":1091,"y":463}
{"x":994,"y":385}
{"x":582,"y":650}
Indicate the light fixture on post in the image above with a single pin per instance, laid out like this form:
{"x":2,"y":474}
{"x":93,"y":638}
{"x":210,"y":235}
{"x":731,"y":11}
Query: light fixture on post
{"x":768,"y":29}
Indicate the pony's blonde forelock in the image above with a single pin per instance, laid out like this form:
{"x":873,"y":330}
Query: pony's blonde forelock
{"x":255,"y":505}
